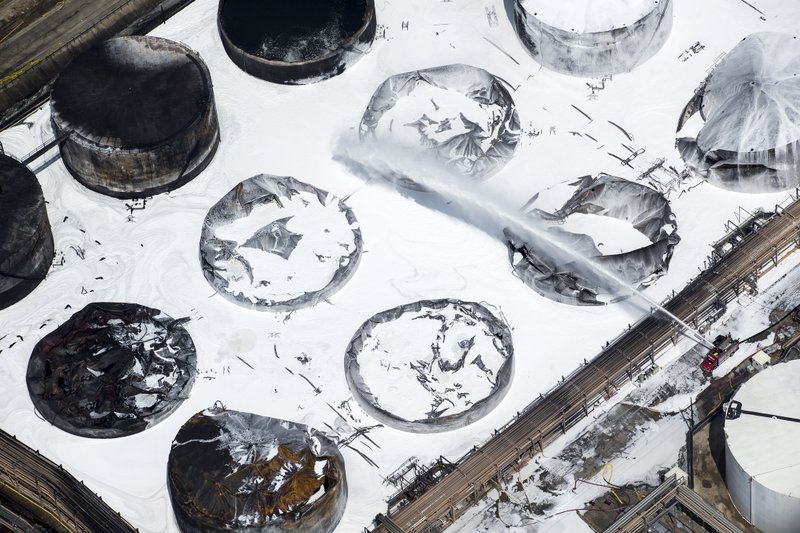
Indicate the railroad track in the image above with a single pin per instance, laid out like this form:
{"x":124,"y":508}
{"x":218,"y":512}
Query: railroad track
{"x":47,"y":491}
{"x":547,"y":418}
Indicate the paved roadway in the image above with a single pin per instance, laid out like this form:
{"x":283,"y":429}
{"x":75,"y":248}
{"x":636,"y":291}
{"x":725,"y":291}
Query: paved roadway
{"x":58,"y":26}
{"x":545,"y":420}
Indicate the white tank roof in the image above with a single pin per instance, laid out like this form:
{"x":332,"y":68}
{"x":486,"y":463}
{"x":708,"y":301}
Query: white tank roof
{"x":587,"y":16}
{"x":767,"y":449}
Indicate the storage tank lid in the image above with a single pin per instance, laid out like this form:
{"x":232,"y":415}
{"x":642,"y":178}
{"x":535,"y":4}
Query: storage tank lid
{"x":132,"y":92}
{"x":767,"y":448}
{"x":589,"y":16}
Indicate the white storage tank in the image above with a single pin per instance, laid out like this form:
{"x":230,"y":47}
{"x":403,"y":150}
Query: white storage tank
{"x":762,"y":445}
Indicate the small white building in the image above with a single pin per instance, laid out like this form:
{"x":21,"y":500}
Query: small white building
{"x":760,"y":359}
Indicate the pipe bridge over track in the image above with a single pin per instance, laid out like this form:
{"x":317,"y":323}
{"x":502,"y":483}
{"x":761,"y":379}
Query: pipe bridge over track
{"x":672,"y":494}
{"x":49,"y":493}
{"x":702,"y":301}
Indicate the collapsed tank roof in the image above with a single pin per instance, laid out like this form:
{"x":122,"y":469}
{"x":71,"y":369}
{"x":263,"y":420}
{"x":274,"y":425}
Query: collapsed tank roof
{"x":26,"y":242}
{"x":111,"y":370}
{"x":131,"y":92}
{"x":542,"y":264}
{"x":750,"y":129}
{"x":750,"y":102}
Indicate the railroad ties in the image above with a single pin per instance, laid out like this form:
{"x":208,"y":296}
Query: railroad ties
{"x":50,"y":493}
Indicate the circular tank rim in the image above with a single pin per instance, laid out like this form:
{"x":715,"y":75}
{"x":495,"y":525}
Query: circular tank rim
{"x":588,"y":34}
{"x":587,"y":42}
{"x":302,"y":301}
{"x":67,"y":426}
{"x":446,"y":423}
{"x":97,"y":141}
{"x":688,"y":148}
{"x":339,"y":494}
{"x":669,"y":240}
{"x":369,"y":16}
{"x":633,"y":21}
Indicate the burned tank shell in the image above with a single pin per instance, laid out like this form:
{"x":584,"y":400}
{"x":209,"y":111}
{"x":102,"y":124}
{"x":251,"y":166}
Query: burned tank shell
{"x":140,"y":115}
{"x":113,"y":369}
{"x":235,"y":471}
{"x":26,"y":243}
{"x":298,"y":42}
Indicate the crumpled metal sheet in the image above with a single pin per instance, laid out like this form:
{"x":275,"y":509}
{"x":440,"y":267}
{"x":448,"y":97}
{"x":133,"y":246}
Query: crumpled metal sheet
{"x":111,"y":370}
{"x":468,"y":153}
{"x":275,"y":237}
{"x":469,"y":311}
{"x":594,"y":54}
{"x":235,"y":471}
{"x":547,"y":268}
{"x":750,"y":140}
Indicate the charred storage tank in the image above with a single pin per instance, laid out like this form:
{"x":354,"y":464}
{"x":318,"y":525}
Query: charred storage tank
{"x":237,"y":471}
{"x":296,"y":42}
{"x":609,"y":223}
{"x":762,"y":442}
{"x":593,"y":38}
{"x":141,"y":115}
{"x":26,"y":244}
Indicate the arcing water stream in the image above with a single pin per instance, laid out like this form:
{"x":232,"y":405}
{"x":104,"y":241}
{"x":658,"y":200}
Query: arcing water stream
{"x":445,"y":192}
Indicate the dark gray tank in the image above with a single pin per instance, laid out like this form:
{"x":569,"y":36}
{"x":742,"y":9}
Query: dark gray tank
{"x":26,"y":243}
{"x":112,"y":370}
{"x":142,"y":115}
{"x":297,"y":42}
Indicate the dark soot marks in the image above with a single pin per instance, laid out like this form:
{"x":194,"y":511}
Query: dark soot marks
{"x":291,"y":30}
{"x":111,"y":370}
{"x":26,"y":243}
{"x":235,"y":471}
{"x":139,"y":93}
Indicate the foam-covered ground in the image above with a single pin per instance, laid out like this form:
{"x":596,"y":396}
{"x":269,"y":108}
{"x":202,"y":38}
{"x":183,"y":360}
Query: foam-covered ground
{"x":108,"y":252}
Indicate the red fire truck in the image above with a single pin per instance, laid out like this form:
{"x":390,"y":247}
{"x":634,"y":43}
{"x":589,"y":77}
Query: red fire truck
{"x":724,"y":346}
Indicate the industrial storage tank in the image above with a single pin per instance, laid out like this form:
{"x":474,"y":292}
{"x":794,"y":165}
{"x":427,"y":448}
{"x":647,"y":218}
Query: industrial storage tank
{"x":741,"y":130}
{"x":237,"y":471}
{"x":591,"y":38}
{"x":762,"y":441}
{"x":297,"y":42}
{"x":141,"y":115}
{"x":26,"y":243}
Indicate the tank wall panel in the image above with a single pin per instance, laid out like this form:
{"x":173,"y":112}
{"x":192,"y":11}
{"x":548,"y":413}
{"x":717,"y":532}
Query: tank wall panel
{"x":768,"y":510}
{"x":126,"y":173}
{"x":595,"y":54}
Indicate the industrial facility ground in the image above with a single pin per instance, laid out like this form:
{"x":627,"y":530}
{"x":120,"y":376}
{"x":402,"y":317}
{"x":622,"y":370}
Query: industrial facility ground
{"x":289,"y":365}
